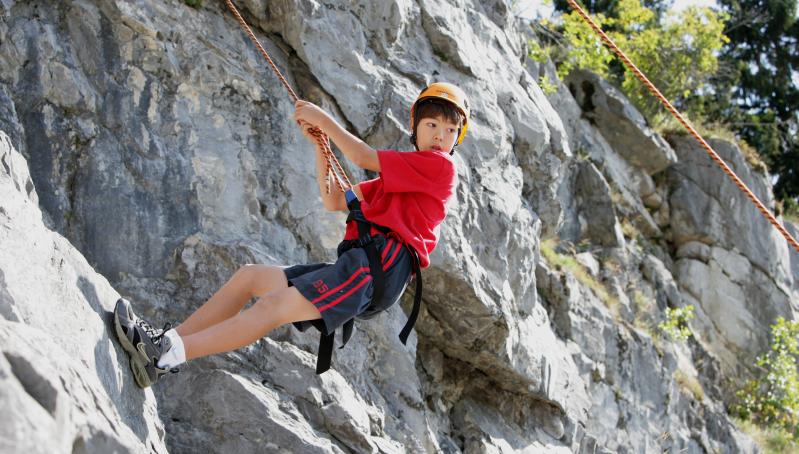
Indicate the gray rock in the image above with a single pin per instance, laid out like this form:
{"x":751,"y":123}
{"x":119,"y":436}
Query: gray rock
{"x":694,"y":250}
{"x":620,"y":122}
{"x":794,"y":231}
{"x":704,"y":199}
{"x":162,"y":148}
{"x":65,"y":384}
{"x":597,"y":216}
{"x":733,"y":264}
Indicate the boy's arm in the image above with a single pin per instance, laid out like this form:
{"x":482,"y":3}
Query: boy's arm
{"x":355,"y":149}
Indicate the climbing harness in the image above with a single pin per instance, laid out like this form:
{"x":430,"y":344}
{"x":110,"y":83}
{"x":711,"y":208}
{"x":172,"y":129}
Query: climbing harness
{"x":713,"y":155}
{"x":378,"y":304}
{"x":365,"y":239}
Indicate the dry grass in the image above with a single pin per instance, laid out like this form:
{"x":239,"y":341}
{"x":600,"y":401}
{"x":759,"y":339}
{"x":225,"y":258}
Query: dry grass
{"x":665,"y":123}
{"x":772,"y":441}
{"x":690,"y":385}
{"x":643,"y":311}
{"x":629,"y":230}
{"x":567,"y":263}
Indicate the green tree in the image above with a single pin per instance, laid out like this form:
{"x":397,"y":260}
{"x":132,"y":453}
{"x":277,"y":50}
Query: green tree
{"x":609,"y":7}
{"x":756,"y":88}
{"x":758,"y":91}
{"x":773,"y":399}
{"x":676,"y":51}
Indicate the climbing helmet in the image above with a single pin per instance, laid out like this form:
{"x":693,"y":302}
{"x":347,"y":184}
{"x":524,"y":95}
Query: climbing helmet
{"x":446,"y":92}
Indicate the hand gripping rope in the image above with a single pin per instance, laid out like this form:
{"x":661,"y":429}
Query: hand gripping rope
{"x":334,"y":168}
{"x":715,"y":157}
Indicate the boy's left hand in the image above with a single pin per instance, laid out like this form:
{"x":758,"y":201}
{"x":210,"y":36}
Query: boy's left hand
{"x":307,"y":112}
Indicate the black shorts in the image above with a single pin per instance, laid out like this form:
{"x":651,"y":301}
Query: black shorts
{"x":343,"y":290}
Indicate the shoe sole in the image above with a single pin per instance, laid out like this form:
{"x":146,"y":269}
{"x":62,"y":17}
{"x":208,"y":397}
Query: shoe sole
{"x":137,"y":366}
{"x":140,"y":373}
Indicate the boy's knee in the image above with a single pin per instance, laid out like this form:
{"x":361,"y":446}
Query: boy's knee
{"x":247,"y":275}
{"x":245,"y":270}
{"x":282,"y":307}
{"x":266,"y":306}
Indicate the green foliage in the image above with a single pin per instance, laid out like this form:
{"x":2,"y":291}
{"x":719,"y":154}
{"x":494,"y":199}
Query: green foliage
{"x":773,"y":440}
{"x":194,"y":3}
{"x":546,"y":85}
{"x":773,"y":399}
{"x":754,"y":92}
{"x":676,"y":324}
{"x":759,"y":91}
{"x":790,"y":210}
{"x":537,"y":52}
{"x":678,"y":53}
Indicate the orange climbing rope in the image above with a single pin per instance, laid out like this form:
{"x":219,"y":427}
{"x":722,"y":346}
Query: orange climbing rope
{"x":713,"y":155}
{"x":333,"y":166}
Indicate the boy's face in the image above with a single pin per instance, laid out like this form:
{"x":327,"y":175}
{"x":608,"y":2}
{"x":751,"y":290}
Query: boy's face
{"x":437,"y":134}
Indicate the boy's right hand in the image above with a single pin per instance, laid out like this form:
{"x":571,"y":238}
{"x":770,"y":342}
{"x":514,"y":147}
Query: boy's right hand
{"x":306,"y":130}
{"x":309,"y":113}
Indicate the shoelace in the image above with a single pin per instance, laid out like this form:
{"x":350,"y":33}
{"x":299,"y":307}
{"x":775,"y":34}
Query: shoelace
{"x":167,"y":327}
{"x":156,"y":335}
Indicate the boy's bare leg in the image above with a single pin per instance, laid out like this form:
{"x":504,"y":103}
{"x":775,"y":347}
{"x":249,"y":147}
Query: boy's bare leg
{"x":272,"y":310}
{"x":246,"y":283}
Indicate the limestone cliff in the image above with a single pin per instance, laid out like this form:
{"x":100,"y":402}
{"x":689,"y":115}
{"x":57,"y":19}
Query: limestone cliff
{"x":148,"y":151}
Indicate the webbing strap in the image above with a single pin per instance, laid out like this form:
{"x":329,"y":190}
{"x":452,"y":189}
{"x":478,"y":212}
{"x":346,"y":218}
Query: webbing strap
{"x":324,"y":356}
{"x":325,"y":353}
{"x":713,"y":155}
{"x":375,"y":265}
{"x":346,"y":331}
{"x":417,"y":298}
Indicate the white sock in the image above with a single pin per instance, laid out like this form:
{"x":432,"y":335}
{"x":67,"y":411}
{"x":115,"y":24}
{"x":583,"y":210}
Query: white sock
{"x":176,"y":355}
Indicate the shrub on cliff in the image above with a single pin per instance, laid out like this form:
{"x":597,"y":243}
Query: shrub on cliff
{"x":772,"y":400}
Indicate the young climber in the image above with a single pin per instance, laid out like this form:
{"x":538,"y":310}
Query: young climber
{"x":392,"y":229}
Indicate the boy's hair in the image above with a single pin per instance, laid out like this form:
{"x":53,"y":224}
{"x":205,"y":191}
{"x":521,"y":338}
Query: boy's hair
{"x":432,"y":108}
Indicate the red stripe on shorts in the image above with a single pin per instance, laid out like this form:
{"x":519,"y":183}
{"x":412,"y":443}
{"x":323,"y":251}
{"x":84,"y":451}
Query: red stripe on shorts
{"x":346,"y":283}
{"x":342,"y":297}
{"x":386,"y":250}
{"x":393,"y":256}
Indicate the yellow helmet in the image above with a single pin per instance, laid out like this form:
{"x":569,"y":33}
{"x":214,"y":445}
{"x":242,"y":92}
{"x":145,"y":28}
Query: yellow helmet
{"x":445,"y":92}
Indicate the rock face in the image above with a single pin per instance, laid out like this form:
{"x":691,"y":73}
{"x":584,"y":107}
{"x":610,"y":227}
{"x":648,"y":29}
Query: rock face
{"x":65,"y":384}
{"x":739,"y":276}
{"x":619,"y":122}
{"x":162,"y":149}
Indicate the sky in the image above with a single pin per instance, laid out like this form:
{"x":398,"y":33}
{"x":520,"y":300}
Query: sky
{"x":537,"y":8}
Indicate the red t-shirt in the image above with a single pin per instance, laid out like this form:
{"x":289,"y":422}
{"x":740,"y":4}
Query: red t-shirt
{"x":409,"y":197}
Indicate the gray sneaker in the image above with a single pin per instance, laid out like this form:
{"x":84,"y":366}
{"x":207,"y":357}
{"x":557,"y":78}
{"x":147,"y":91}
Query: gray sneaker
{"x":144,"y":344}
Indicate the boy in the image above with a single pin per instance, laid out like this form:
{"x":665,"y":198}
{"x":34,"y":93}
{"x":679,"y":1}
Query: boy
{"x":404,"y":207}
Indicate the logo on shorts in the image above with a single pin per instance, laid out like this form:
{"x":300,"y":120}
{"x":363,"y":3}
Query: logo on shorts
{"x":320,"y":286}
